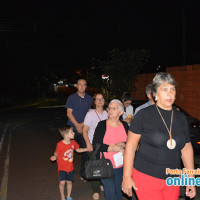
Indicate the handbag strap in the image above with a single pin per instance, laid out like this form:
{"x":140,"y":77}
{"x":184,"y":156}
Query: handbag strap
{"x":97,"y":114}
{"x":95,"y":152}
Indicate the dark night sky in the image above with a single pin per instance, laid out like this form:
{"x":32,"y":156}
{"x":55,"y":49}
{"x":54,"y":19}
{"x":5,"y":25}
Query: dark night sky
{"x":63,"y":35}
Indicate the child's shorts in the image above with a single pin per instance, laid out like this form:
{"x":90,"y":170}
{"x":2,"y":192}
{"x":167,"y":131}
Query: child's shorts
{"x":66,"y":176}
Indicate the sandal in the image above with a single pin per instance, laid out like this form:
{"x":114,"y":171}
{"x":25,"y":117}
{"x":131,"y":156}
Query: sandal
{"x":69,"y":198}
{"x":101,"y":188}
{"x":96,"y":196}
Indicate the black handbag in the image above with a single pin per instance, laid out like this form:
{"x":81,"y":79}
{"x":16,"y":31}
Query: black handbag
{"x":98,"y":169}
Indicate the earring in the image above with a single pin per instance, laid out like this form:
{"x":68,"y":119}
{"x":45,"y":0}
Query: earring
{"x":156,"y":98}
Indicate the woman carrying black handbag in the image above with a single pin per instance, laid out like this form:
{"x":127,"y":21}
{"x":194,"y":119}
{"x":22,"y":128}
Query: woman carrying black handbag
{"x":111,"y":134}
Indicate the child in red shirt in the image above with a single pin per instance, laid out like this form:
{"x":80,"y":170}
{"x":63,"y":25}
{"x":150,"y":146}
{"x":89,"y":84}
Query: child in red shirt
{"x":64,"y":154}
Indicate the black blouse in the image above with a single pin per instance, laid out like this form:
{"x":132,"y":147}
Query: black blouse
{"x":153,"y":156}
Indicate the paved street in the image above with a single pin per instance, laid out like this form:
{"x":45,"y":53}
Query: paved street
{"x":27,"y":140}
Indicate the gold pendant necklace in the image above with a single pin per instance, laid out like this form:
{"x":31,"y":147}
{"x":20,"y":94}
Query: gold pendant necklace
{"x":171,"y":143}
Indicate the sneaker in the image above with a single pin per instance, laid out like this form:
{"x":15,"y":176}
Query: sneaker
{"x":69,"y":198}
{"x":82,"y":179}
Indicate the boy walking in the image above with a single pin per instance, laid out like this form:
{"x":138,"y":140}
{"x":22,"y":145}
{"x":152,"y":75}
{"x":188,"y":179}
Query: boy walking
{"x":64,"y":154}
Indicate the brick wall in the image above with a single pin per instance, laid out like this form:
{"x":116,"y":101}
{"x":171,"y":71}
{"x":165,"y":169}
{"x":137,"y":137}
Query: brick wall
{"x":188,"y":92}
{"x":141,"y":82}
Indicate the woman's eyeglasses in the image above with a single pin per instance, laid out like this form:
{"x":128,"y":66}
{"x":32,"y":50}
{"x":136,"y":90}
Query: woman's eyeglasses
{"x":112,"y":108}
{"x":99,"y":99}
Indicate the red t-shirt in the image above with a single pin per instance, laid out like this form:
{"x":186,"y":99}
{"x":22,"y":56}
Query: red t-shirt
{"x":66,"y":155}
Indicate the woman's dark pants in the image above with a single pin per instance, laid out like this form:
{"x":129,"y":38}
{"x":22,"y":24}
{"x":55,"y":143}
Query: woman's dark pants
{"x":112,"y":187}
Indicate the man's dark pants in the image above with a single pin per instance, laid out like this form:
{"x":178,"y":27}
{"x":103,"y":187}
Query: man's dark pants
{"x":84,"y":156}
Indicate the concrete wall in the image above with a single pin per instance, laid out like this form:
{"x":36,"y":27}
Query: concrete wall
{"x":188,"y":92}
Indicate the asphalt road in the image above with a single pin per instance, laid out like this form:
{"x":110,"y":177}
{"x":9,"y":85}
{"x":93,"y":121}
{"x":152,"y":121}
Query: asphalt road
{"x":27,"y":140}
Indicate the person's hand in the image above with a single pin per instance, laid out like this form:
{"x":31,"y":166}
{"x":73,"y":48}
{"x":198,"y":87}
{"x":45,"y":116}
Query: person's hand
{"x":122,"y":151}
{"x":190,"y":191}
{"x":118,"y":149}
{"x":89,"y":147}
{"x":120,"y":144}
{"x":127,"y":185}
{"x":128,"y":120}
{"x":79,"y":127}
{"x":53,"y":158}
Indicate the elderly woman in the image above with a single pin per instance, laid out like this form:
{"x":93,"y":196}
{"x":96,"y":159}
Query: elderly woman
{"x":92,"y":118}
{"x":111,"y":134}
{"x":164,"y":140}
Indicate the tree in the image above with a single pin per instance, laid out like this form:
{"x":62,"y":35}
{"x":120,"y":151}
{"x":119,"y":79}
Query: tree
{"x":122,"y":68}
{"x":94,"y":77}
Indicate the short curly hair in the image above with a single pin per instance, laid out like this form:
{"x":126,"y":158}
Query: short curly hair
{"x":120,"y":104}
{"x":159,"y":79}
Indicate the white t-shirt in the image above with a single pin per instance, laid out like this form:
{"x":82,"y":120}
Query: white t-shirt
{"x":91,"y":120}
{"x":128,"y":113}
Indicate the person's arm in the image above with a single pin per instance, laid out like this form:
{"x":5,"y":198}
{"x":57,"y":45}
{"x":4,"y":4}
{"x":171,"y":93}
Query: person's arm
{"x":120,"y":144}
{"x":131,"y":146}
{"x":118,"y":147}
{"x":85,"y":136}
{"x":188,"y":162}
{"x":80,"y":150}
{"x":79,"y":126}
{"x":54,"y":157}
